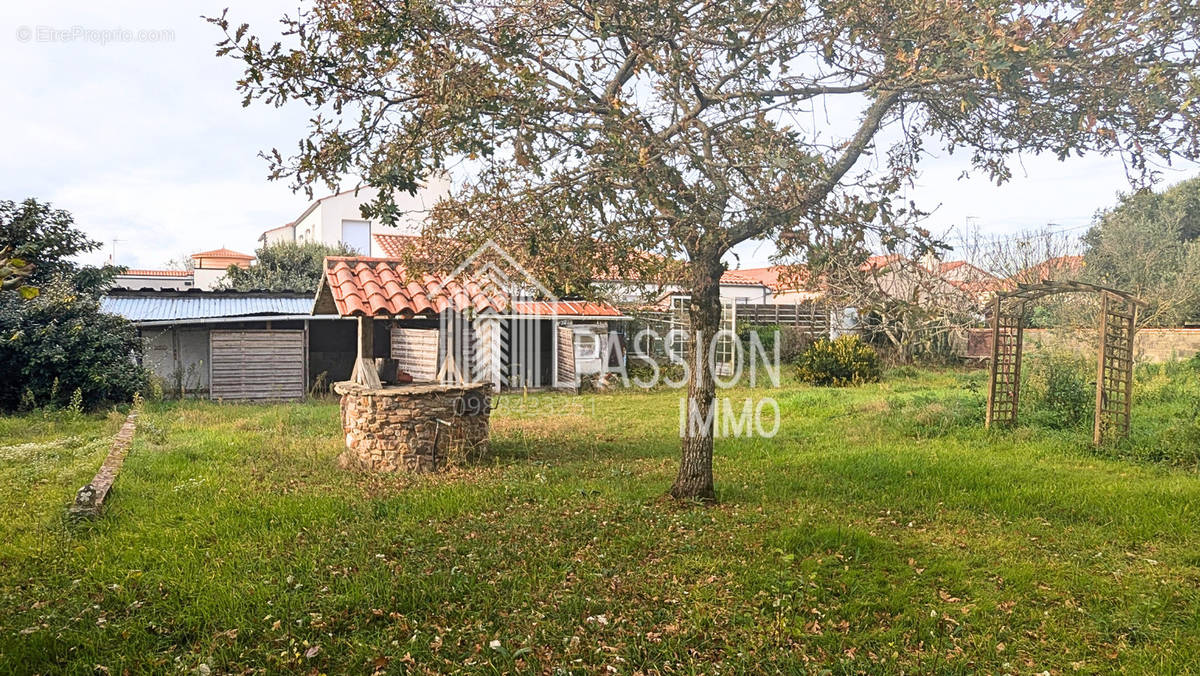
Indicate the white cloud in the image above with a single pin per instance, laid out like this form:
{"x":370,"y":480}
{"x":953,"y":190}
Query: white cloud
{"x":148,"y":142}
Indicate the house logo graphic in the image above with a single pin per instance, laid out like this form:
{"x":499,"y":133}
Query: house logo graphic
{"x":519,"y":347}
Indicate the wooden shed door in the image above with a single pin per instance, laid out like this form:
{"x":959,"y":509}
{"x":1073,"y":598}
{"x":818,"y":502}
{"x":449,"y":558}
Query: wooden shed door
{"x":257,"y":364}
{"x":566,"y":357}
{"x":416,"y":352}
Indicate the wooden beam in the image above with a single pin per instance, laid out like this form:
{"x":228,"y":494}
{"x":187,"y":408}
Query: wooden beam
{"x":366,"y":337}
{"x":366,"y":371}
{"x":991,"y":397}
{"x":1016,"y":386}
{"x":1131,"y":331}
{"x":1098,"y":423}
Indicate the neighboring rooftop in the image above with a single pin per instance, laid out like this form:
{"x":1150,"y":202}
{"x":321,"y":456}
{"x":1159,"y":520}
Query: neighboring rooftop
{"x":1051,"y":268}
{"x":395,"y":246}
{"x":776,"y":277}
{"x":564,"y":308}
{"x":137,"y":272}
{"x":190,"y":304}
{"x":223,"y":253}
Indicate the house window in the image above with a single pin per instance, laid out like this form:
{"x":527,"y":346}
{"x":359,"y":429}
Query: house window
{"x":357,"y":235}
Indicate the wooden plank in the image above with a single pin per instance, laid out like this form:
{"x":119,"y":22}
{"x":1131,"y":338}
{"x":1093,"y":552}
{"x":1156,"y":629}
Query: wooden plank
{"x":365,"y":372}
{"x":1098,"y":422}
{"x":565,"y":359}
{"x":1130,"y":332}
{"x":993,"y":368}
{"x":1016,"y":373}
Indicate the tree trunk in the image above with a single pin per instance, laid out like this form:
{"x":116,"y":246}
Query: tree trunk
{"x":695,"y":480}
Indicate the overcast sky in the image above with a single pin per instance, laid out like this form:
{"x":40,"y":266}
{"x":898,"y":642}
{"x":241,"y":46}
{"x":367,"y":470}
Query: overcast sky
{"x":120,"y":113}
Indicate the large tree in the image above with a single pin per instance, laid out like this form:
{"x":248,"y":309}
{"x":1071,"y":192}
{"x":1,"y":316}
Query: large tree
{"x":592,"y":130}
{"x":1149,"y":244}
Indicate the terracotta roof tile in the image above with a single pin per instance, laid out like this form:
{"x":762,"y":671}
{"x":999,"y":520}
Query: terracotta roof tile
{"x":381,"y":287}
{"x":769,"y":277}
{"x":396,"y":245}
{"x":157,"y":273}
{"x":564,"y":308}
{"x":223,"y":253}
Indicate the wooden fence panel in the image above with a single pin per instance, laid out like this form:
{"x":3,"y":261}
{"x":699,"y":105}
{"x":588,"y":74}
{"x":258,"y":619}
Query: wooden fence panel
{"x":812,"y":319}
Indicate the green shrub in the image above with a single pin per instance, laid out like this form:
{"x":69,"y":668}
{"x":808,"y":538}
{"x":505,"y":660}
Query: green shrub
{"x":58,"y":349}
{"x":841,"y":362}
{"x":59,"y":343}
{"x":1057,"y":389}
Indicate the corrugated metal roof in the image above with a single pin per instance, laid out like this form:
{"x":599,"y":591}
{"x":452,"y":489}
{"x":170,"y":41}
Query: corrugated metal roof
{"x":149,"y":307}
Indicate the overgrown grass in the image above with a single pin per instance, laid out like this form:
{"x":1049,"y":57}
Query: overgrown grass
{"x":882,"y":530}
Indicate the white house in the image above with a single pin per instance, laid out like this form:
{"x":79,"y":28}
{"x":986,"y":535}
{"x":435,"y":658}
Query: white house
{"x":774,"y":284}
{"x":337,"y":219}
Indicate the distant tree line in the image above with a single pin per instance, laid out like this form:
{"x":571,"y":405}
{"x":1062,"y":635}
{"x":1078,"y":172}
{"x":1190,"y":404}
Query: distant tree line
{"x":1149,"y":245}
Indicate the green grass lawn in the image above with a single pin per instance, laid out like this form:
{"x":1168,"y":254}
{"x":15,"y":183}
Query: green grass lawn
{"x":882,"y":530}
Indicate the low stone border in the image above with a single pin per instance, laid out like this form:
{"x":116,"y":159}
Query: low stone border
{"x":90,"y":499}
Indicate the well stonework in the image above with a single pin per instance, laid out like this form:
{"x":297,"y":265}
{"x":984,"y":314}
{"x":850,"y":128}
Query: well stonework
{"x":420,"y":427}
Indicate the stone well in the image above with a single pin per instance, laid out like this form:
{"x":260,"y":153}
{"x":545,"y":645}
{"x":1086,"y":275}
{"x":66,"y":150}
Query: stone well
{"x":418,"y":427}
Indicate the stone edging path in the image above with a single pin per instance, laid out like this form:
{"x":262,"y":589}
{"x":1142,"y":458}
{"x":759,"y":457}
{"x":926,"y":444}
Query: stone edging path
{"x":90,"y":499}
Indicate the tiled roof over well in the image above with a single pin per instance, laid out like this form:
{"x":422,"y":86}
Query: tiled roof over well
{"x":381,"y":287}
{"x":371,"y":287}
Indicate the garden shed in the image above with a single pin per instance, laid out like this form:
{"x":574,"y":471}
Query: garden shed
{"x":233,"y":345}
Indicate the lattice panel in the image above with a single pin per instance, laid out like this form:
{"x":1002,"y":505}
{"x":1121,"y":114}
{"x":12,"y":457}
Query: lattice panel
{"x":1004,"y":391}
{"x":1114,"y":371}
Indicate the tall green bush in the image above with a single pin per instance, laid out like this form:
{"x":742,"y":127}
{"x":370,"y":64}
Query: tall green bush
{"x":58,"y":349}
{"x":838,"y":363}
{"x":1058,"y":389}
{"x":286,"y":266}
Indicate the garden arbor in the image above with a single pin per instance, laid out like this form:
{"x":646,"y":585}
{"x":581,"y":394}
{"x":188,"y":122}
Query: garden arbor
{"x":1114,"y":359}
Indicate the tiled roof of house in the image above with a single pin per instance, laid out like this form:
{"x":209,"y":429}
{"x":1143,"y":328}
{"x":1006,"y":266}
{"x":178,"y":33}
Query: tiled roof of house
{"x":396,"y":246}
{"x":734,"y":277}
{"x":1049,"y":269}
{"x":223,"y":253}
{"x":381,"y":287}
{"x":155,"y":273}
{"x":880,"y":261}
{"x":769,"y":277}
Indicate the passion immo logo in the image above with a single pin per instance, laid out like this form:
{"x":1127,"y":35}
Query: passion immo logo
{"x":516,"y":338}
